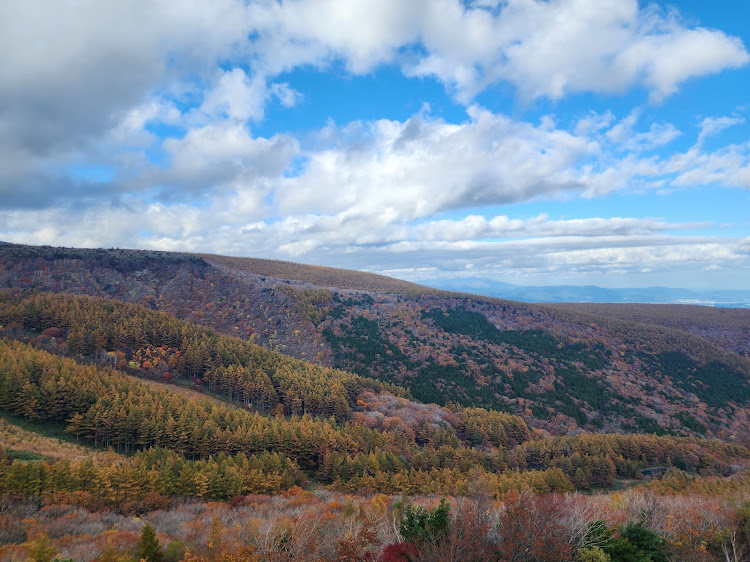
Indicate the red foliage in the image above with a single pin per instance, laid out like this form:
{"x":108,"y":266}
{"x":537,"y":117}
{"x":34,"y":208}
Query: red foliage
{"x":53,"y":332}
{"x":531,"y":529}
{"x":399,"y":552}
{"x":152,"y":501}
{"x":82,"y":499}
{"x":237,"y":501}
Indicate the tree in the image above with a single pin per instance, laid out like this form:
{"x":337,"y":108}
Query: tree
{"x":637,"y":544}
{"x":530,"y":528}
{"x":592,"y":554}
{"x":419,"y":525}
{"x":399,"y":552}
{"x":149,"y":548}
{"x":41,"y":550}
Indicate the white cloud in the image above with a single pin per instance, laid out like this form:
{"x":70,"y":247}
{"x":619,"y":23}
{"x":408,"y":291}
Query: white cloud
{"x":593,"y":123}
{"x":213,"y":145}
{"x":78,"y":65}
{"x":85,"y":85}
{"x":362,"y":33}
{"x":422,"y":166}
{"x":235,"y":96}
{"x":286,"y":95}
{"x":81,"y":74}
{"x":670,"y":58}
{"x":552,"y":49}
{"x":476,"y":227}
{"x":710,"y":126}
{"x":623,"y":133}
{"x":728,"y":166}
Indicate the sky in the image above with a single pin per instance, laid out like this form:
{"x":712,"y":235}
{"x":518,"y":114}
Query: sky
{"x":536,"y":142}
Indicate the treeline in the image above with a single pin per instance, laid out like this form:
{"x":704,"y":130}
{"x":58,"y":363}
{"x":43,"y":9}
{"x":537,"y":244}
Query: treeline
{"x":499,"y":429}
{"x":145,"y":481}
{"x":559,"y":464}
{"x":110,"y":409}
{"x":235,"y":368}
{"x":597,"y":460}
{"x":444,"y":471}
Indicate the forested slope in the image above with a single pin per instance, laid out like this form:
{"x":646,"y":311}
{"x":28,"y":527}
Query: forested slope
{"x":243,"y":451}
{"x":727,"y":327}
{"x":147,"y":364}
{"x":561,"y":368}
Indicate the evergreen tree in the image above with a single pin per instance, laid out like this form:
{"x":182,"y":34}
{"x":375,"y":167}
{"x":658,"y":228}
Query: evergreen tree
{"x":149,"y":548}
{"x":637,"y":543}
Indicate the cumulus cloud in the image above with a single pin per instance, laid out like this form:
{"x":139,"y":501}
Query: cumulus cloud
{"x":70,"y":68}
{"x":623,"y":133}
{"x":545,"y":49}
{"x":77,"y":72}
{"x":134,"y":124}
{"x":552,"y":49}
{"x":726,"y":167}
{"x":423,"y":166}
{"x":362,"y":33}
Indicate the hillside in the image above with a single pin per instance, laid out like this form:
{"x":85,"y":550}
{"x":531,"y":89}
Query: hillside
{"x":321,"y":276}
{"x":133,"y":389}
{"x":561,"y":367}
{"x":331,"y":426}
{"x":727,"y":327}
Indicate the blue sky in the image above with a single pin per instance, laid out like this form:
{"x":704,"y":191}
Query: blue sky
{"x":535,"y":142}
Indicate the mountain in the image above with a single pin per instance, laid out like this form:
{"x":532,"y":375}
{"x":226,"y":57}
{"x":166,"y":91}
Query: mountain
{"x":591,"y":293}
{"x":562,"y":368}
{"x":133,"y":388}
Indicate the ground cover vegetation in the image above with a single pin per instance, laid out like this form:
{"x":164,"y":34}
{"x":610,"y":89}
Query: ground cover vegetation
{"x":639,"y":524}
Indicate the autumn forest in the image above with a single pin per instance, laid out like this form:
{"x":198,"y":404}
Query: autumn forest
{"x":166,"y":406}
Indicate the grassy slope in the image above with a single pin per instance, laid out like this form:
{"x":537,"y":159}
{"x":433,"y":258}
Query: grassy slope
{"x":319,"y":275}
{"x":31,"y":439}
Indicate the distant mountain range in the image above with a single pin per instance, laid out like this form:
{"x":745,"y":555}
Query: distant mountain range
{"x":591,"y":293}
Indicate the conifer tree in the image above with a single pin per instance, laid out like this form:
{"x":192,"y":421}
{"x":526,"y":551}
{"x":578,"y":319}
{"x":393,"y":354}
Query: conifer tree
{"x":149,"y":548}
